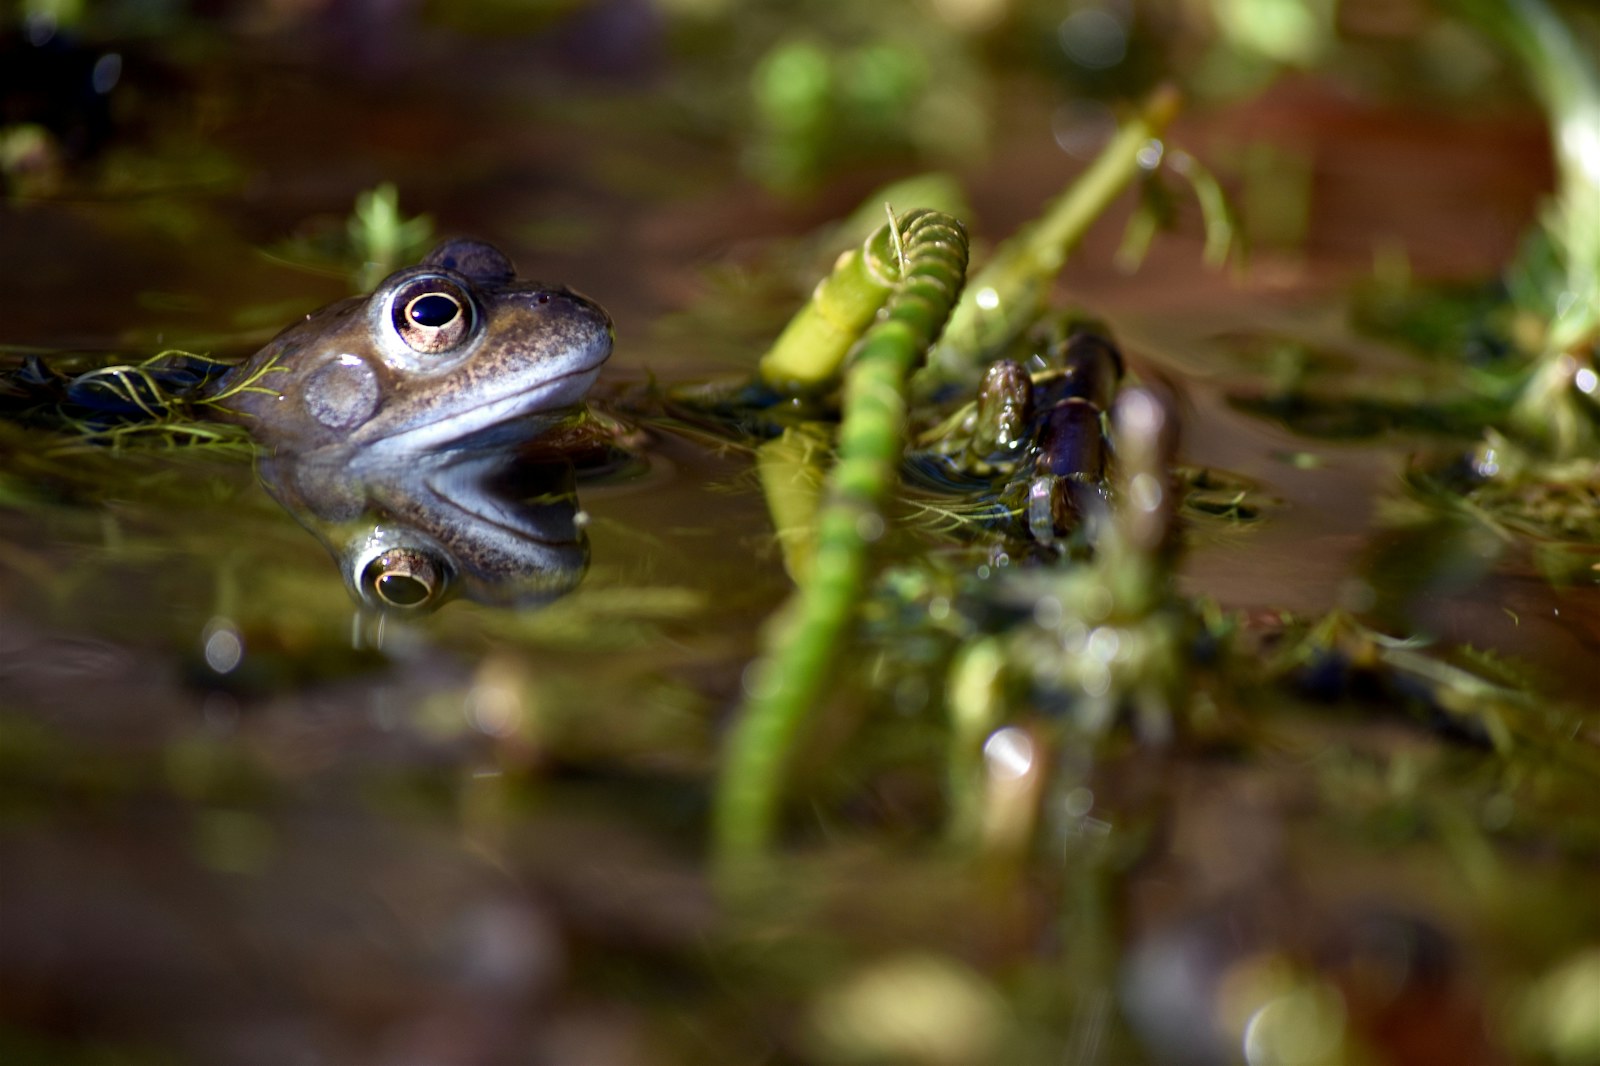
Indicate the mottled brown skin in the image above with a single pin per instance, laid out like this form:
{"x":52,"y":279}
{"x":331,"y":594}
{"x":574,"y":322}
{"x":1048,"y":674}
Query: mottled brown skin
{"x":440,"y":352}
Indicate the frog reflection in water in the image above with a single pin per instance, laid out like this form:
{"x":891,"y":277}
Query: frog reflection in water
{"x":441,"y":352}
{"x":409,"y":531}
{"x":426,"y":433}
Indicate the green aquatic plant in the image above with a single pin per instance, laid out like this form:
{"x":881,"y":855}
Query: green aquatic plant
{"x":162,"y":433}
{"x":1110,"y":632}
{"x":808,"y":354}
{"x":137,"y":385}
{"x":381,"y":238}
{"x":794,"y":670}
{"x":791,"y":467}
{"x":157,"y":402}
{"x":132,"y":385}
{"x":1535,"y":472}
{"x":891,"y":290}
{"x":1562,"y":68}
{"x":1552,"y":316}
{"x":365,"y":247}
{"x":1515,"y":366}
{"x":256,"y":381}
{"x":1157,"y":208}
{"x":891,"y":83}
{"x":1472,"y":697}
{"x":1012,"y":289}
{"x":1559,"y":405}
{"x":1525,"y":353}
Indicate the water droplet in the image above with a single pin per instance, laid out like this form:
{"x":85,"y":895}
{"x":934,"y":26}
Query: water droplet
{"x":1048,"y":612}
{"x":1146,"y":492}
{"x":107,"y":72}
{"x":1104,"y":644}
{"x":869,"y":527}
{"x":1082,"y":127}
{"x":1077,"y":803}
{"x":223,"y":647}
{"x":1008,"y":753}
{"x":1093,"y":38}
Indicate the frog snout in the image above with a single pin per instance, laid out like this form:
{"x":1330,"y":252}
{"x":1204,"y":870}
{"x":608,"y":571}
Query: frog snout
{"x":571,"y":301}
{"x":572,"y":321}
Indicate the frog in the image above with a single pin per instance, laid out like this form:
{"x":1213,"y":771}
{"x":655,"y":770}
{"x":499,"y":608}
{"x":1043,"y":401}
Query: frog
{"x":447,"y":351}
{"x":409,"y":531}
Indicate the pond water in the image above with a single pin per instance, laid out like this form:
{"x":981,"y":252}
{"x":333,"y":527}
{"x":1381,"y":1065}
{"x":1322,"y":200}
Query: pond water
{"x":243,"y":822}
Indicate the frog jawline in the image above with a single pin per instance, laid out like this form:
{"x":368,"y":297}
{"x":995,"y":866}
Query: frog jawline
{"x":447,"y":431}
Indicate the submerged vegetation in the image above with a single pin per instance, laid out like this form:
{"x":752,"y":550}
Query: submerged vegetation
{"x":1519,"y":395}
{"x":963,"y":682}
{"x":914,"y":267}
{"x":925,"y":274}
{"x":1116,"y":643}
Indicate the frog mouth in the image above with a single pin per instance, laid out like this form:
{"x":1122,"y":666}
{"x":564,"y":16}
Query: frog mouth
{"x":460,"y":425}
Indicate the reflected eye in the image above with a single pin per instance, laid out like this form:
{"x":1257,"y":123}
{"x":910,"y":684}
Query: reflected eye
{"x":402,"y":577}
{"x":432,"y":315}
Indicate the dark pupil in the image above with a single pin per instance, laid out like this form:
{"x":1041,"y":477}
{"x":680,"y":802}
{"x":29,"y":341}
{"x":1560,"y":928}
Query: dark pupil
{"x":402,"y":590}
{"x":433,"y":310}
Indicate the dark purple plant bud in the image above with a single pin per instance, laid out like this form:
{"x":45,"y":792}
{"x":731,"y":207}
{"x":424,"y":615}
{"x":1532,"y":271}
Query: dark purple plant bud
{"x":1070,"y":441}
{"x":1004,"y":407}
{"x":1090,"y":368}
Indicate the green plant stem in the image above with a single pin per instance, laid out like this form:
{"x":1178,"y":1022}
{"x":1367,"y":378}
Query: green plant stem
{"x":1222,"y":231}
{"x":1012,"y":289}
{"x":807,"y":356}
{"x":803,"y":642}
{"x":790,"y":466}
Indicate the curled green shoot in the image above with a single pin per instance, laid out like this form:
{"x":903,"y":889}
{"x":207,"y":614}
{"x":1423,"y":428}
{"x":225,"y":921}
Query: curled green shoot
{"x":803,"y":642}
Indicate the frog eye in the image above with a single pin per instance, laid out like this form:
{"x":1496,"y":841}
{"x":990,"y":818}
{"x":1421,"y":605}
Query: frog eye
{"x":432,"y":315}
{"x":402,"y":578}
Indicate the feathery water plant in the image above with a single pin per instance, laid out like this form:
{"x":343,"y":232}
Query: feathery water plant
{"x":160,"y":401}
